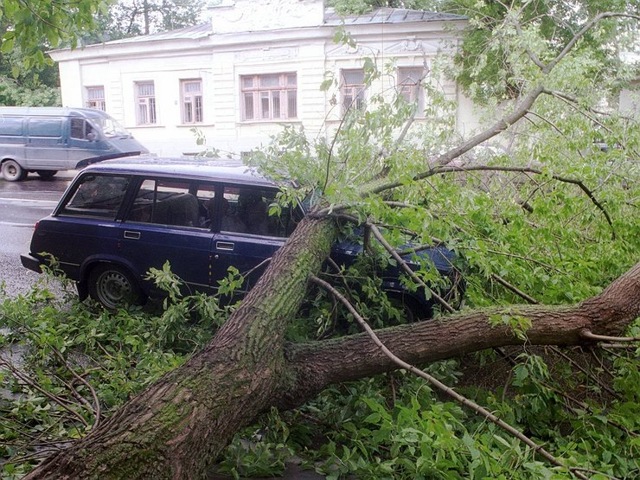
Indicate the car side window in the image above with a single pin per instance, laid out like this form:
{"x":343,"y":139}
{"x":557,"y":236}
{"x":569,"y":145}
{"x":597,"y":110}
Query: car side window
{"x":96,"y":196}
{"x":230,"y":220}
{"x":247,"y":210}
{"x":165,"y":202}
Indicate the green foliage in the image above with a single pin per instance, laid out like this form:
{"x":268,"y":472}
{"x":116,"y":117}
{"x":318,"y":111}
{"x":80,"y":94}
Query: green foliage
{"x":395,"y":427}
{"x":491,"y":69}
{"x":542,"y":210}
{"x":32,"y":25}
{"x":259,"y":451}
{"x":123,"y":19}
{"x":347,"y":7}
{"x":75,"y":362}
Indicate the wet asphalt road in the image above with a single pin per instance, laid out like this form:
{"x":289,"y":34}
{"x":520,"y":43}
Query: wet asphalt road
{"x":22,"y":204}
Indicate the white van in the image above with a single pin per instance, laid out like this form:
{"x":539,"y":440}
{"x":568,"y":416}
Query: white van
{"x":47,"y":139}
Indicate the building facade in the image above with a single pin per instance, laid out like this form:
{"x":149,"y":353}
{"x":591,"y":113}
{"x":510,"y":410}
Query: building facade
{"x":255,"y":66}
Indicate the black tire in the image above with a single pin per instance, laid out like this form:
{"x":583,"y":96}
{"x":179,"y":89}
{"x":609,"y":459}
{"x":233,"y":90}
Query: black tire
{"x":46,"y":174}
{"x":412,"y":311}
{"x":113,"y":287}
{"x":12,"y":171}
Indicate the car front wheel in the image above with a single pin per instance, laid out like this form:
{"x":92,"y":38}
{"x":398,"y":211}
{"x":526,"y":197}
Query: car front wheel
{"x":12,"y":171}
{"x":113,"y":287}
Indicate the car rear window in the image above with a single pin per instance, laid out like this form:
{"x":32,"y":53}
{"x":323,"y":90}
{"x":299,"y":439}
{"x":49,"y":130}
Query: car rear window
{"x":96,"y":196}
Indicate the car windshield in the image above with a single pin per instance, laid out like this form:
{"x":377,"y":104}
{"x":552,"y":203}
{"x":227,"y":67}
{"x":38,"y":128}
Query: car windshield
{"x":110,"y":127}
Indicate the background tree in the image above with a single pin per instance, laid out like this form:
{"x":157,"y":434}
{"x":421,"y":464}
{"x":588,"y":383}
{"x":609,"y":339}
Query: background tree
{"x":27,"y":29}
{"x":129,"y":18}
{"x":32,"y":25}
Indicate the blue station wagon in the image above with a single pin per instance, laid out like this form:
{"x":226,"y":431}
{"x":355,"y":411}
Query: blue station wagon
{"x":120,"y":218}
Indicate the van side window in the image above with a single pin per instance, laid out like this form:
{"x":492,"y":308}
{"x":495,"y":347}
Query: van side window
{"x":45,"y":127}
{"x":97,"y":196}
{"x":11,"y":126}
{"x":165,"y":202}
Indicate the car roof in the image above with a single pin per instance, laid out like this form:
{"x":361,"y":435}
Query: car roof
{"x":211,"y":169}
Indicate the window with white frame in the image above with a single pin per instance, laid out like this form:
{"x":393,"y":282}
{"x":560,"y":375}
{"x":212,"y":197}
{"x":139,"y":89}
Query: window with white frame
{"x":269,"y":97}
{"x":95,"y":98}
{"x":145,"y":103}
{"x":191,"y":95}
{"x":352,"y":89}
{"x":410,"y":86}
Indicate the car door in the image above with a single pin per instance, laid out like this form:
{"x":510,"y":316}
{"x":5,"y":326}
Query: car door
{"x":166,"y":223}
{"x":84,"y":141}
{"x":246,"y":235}
{"x":84,"y":226}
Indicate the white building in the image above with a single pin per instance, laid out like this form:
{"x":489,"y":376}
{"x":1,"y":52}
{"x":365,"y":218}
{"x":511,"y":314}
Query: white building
{"x":256,"y":66}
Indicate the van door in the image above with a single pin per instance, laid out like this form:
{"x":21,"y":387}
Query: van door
{"x":45,"y":147}
{"x":165,"y":223}
{"x":84,"y":142}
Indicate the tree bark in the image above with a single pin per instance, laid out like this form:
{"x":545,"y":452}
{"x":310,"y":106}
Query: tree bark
{"x":319,"y":364}
{"x":177,"y":427}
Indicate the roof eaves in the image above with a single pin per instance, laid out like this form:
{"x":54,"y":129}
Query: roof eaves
{"x":389,"y":15}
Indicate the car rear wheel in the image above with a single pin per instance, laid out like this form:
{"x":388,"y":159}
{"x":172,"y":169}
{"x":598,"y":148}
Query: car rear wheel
{"x":113,"y":287}
{"x":12,"y":171}
{"x":46,"y":173}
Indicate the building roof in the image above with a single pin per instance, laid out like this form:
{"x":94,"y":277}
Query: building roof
{"x":331,"y":18}
{"x":202,"y":30}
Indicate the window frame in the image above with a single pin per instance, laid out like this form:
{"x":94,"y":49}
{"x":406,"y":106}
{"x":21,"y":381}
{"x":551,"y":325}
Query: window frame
{"x":146,"y":109}
{"x":354,"y":91}
{"x":191,"y":103}
{"x":269,"y":103}
{"x":93,"y":197}
{"x":96,"y":102}
{"x":414,"y":92}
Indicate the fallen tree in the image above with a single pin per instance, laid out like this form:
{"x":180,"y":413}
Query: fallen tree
{"x":177,"y":427}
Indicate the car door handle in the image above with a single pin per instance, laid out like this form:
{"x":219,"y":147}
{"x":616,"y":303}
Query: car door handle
{"x":227,"y":246}
{"x":131,"y":235}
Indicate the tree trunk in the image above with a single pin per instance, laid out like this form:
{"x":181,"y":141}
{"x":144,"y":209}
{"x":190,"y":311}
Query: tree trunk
{"x":177,"y":427}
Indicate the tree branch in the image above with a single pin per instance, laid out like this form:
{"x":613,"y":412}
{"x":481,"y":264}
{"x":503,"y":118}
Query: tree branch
{"x":438,"y":384}
{"x":336,"y":360}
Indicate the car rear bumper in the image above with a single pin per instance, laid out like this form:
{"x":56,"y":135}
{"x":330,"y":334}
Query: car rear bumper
{"x":31,"y":263}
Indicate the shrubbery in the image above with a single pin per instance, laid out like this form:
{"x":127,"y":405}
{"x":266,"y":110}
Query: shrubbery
{"x":77,"y":363}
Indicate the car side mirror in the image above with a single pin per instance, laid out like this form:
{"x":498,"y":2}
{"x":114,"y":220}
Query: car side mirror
{"x":91,"y":136}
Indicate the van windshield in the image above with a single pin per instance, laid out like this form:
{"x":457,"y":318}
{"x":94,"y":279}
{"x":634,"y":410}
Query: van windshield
{"x":111,"y":128}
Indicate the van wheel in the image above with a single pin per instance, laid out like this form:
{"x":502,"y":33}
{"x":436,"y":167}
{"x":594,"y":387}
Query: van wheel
{"x":46,"y":173}
{"x":113,"y":287}
{"x":12,"y":171}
